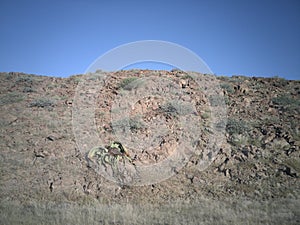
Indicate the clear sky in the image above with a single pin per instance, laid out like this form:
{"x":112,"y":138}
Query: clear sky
{"x":233,"y":37}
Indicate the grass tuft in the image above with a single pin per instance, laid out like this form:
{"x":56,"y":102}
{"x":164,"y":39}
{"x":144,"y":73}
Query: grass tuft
{"x":42,"y":103}
{"x":128,"y":83}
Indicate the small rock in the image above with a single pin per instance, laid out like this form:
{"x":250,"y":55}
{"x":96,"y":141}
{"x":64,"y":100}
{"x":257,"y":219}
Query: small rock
{"x":183,"y":83}
{"x":190,"y":176}
{"x":245,"y":151}
{"x":12,"y":120}
{"x":247,"y":101}
{"x":288,"y":171}
{"x":69,"y":102}
{"x":297,"y":143}
{"x":107,"y":127}
{"x":51,"y":138}
{"x":277,"y":161}
{"x":256,"y":192}
{"x":227,"y":173}
{"x":269,"y":138}
{"x":221,"y":168}
{"x":271,"y":110}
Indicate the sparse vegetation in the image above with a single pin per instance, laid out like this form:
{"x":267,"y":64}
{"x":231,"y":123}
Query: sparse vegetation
{"x":187,"y":76}
{"x":205,"y":115}
{"x":176,"y":108}
{"x":128,"y":83}
{"x":238,"y":78}
{"x":10,"y":98}
{"x":28,"y":89}
{"x":280,"y":81}
{"x":238,"y":140}
{"x":132,"y":123}
{"x":42,"y":103}
{"x":52,"y":86}
{"x":228,"y":87}
{"x":24,"y":79}
{"x":235,"y":126}
{"x":136,"y":124}
{"x":7,"y":76}
{"x":203,"y":211}
{"x":76,"y":78}
{"x":216,"y":100}
{"x":287,"y":102}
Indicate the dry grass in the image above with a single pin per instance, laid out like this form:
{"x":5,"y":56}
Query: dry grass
{"x":281,"y":211}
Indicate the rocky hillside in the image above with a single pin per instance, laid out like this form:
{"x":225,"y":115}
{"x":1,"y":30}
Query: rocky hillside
{"x":253,"y":177}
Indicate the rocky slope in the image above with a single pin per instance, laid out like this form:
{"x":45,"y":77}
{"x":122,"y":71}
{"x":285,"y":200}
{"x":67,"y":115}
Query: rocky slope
{"x":255,"y":171}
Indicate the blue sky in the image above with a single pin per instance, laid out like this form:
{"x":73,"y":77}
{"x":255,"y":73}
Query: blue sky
{"x":62,"y":38}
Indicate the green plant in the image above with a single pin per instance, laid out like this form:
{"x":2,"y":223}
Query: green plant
{"x":136,"y":124}
{"x":128,"y":83}
{"x":133,"y":123}
{"x":205,"y":115}
{"x":24,"y":79}
{"x":238,"y":139}
{"x":280,"y":81}
{"x":227,"y":100}
{"x":76,"y":78}
{"x":238,"y":78}
{"x":52,"y":86}
{"x":42,"y":103}
{"x":187,"y":76}
{"x":257,"y":86}
{"x":287,"y":102}
{"x":235,"y":126}
{"x":175,"y":108}
{"x":10,"y":98}
{"x":28,"y":89}
{"x":227,"y":87}
{"x":7,"y":76}
{"x":216,"y":100}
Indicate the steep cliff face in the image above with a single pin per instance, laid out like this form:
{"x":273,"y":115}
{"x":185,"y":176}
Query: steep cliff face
{"x":257,"y":162}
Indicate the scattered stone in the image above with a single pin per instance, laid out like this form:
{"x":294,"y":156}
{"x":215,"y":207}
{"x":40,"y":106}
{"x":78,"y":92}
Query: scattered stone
{"x":51,"y":138}
{"x":227,"y":173}
{"x":269,"y":138}
{"x":288,"y":171}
